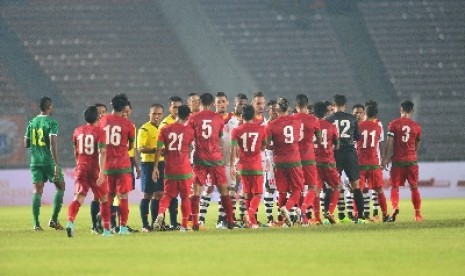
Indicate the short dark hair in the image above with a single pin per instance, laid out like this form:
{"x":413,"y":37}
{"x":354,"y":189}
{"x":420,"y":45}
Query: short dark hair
{"x":206,"y":99}
{"x":45,"y":103}
{"x":358,"y":106}
{"x":183,"y":112}
{"x":258,"y":94}
{"x":320,"y":108}
{"x":101,"y":105}
{"x":192,"y":94}
{"x":328,"y":103}
{"x":371,"y":102}
{"x":157,"y":105}
{"x":283,"y":104}
{"x":129,"y":104}
{"x":174,"y":99}
{"x":371,"y":111}
{"x":119,"y":102}
{"x":91,"y":114}
{"x":301,"y":100}
{"x":248,"y":112}
{"x":241,"y":96}
{"x":271,"y":102}
{"x":407,"y":106}
{"x":221,"y":94}
{"x":340,"y":100}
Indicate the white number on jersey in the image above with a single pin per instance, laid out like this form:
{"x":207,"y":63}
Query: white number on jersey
{"x":206,"y":129}
{"x":254,"y":136}
{"x":365,"y":138}
{"x":85,"y":144}
{"x":288,"y":132}
{"x":175,"y":138}
{"x":113,"y":135}
{"x":301,"y":136}
{"x":345,"y":124}
{"x":406,"y":136}
{"x":324,"y":138}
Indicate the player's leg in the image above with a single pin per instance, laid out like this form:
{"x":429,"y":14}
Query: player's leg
{"x":38,"y":179}
{"x":218,"y":175}
{"x":257,"y":191}
{"x":170,"y":191}
{"x":147,"y":188}
{"x":412,"y":178}
{"x":268,"y":198}
{"x":184,"y":187}
{"x":351,"y":167}
{"x":205,"y":200}
{"x":200,"y":179}
{"x":375,"y":200}
{"x":81,"y":187}
{"x":365,"y":177}
{"x":123,"y":187}
{"x":94,"y":211}
{"x":59,"y":194}
{"x":397,"y":179}
{"x":157,"y":194}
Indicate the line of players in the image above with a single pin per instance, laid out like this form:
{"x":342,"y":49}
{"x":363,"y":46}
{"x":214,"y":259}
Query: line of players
{"x":306,"y":152}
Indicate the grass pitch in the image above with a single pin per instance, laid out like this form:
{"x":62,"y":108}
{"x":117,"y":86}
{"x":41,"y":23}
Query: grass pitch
{"x":433,"y":247}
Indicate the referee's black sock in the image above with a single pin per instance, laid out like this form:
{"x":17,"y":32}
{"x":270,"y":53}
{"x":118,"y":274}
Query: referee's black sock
{"x":358,"y":197}
{"x":173,"y":208}
{"x":144,"y":211}
{"x":154,"y":204}
{"x":94,"y":210}
{"x":328,"y":193}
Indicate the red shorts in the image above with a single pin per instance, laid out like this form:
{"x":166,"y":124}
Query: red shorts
{"x":217,"y":175}
{"x":85,"y":178}
{"x":310,"y":174}
{"x":289,"y":179}
{"x":252,"y":184}
{"x":328,"y":175}
{"x":173,"y":187}
{"x":119,"y":183}
{"x":400,"y":174}
{"x":371,"y":179}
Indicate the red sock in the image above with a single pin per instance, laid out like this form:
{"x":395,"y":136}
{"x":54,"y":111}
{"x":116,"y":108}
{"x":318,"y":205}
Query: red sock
{"x":247,"y":203}
{"x":282,"y":198}
{"x":293,"y":199}
{"x":227,"y":205}
{"x":308,"y":200}
{"x":185,"y":210}
{"x":164,"y":203}
{"x":105,"y":214}
{"x":416,"y":200}
{"x":73,"y":209}
{"x":333,"y":202}
{"x":124,"y":211}
{"x":316,"y":208}
{"x":395,"y":198}
{"x":195,"y":209}
{"x":254,"y":203}
{"x":382,"y":203}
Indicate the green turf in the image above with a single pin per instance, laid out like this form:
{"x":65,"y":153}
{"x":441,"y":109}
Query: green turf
{"x":433,"y":247}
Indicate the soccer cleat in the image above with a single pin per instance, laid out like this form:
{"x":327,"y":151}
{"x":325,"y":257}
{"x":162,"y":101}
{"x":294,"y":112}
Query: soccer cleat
{"x":221,"y":225}
{"x":287,"y":219}
{"x":146,"y":229}
{"x":298,"y":214}
{"x":386,"y":218}
{"x":184,"y":230}
{"x":195,"y":228}
{"x":96,"y":231}
{"x":37,"y":228}
{"x":107,"y":233}
{"x":376,"y":219}
{"x":393,"y":217}
{"x":254,"y":226}
{"x":114,"y":230}
{"x":328,"y":217}
{"x":262,"y":225}
{"x":158,"y":223}
{"x":305,"y":224}
{"x":360,"y":221}
{"x":246,"y":221}
{"x":123,"y":230}
{"x":55,"y":225}
{"x":344,"y":220}
{"x":70,"y":229}
{"x":131,"y":230}
{"x":418,"y":218}
{"x":233,"y":226}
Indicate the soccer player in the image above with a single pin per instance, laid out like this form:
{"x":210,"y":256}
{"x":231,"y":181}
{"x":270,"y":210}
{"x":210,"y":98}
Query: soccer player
{"x":95,"y":204}
{"x":41,"y":139}
{"x":174,"y":103}
{"x":120,"y":136}
{"x":367,"y":148}
{"x":89,"y":151}
{"x":208,"y":157}
{"x":267,"y":162}
{"x":326,"y":164}
{"x":250,"y":140}
{"x":346,"y":155}
{"x":193,"y":102}
{"x":284,"y":133}
{"x":403,"y":138}
{"x":127,"y":111}
{"x":258,"y":103}
{"x":175,"y":141}
{"x":309,"y":128}
{"x":147,"y":145}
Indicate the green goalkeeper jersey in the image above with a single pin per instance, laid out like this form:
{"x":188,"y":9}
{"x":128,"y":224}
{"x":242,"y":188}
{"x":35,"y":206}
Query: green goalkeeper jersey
{"x":39,"y":131}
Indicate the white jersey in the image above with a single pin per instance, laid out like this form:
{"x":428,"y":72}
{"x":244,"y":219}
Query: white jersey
{"x":228,"y":127}
{"x":267,"y":158}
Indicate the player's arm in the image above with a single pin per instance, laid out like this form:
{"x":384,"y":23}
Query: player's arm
{"x":27,"y":141}
{"x":143,"y":142}
{"x":387,"y":150}
{"x":417,"y":144}
{"x":382,"y":149}
{"x":102,"y":155}
{"x":155,"y":172}
{"x":233,"y":159}
{"x":318,"y":139}
{"x":54,"y":151}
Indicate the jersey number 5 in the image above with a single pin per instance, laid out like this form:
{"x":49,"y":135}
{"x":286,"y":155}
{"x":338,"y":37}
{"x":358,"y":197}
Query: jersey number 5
{"x":206,"y":129}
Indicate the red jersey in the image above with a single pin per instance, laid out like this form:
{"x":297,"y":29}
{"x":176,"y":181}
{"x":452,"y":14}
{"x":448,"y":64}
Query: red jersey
{"x":208,"y":128}
{"x":259,"y":121}
{"x":249,"y":139}
{"x":324,"y":152}
{"x":284,"y":132}
{"x":309,"y":127}
{"x":367,"y":145}
{"x":406,"y":134}
{"x":119,"y":132}
{"x":87,"y":140}
{"x":176,"y":139}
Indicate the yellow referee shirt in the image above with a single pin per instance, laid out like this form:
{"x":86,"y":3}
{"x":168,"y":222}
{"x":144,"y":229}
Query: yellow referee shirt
{"x":167,"y":121}
{"x":147,"y":137}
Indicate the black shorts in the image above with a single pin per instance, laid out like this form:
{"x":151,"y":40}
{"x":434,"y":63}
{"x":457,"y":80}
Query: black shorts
{"x":347,"y":161}
{"x":147,"y":184}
